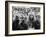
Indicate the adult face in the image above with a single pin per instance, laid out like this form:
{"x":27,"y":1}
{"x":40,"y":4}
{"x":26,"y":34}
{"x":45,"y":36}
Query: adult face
{"x":38,"y":18}
{"x":31,"y":16}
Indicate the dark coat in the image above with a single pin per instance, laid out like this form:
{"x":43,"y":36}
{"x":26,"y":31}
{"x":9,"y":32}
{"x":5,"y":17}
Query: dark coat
{"x":15,"y":25}
{"x":37,"y":25}
{"x":23,"y":26}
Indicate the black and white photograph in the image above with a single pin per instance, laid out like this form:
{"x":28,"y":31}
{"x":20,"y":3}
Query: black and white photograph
{"x":25,"y":18}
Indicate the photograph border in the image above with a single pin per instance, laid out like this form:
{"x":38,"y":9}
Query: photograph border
{"x":6,"y":18}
